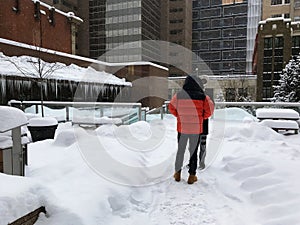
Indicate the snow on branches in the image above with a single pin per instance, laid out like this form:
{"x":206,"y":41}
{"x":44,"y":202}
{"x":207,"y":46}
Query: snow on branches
{"x":288,"y":89}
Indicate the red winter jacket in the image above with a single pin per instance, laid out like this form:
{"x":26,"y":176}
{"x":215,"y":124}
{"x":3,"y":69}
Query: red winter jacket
{"x":191,"y":106}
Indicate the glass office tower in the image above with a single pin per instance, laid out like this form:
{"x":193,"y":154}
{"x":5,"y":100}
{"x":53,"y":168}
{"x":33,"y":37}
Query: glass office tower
{"x":117,"y":28}
{"x":220,"y":35}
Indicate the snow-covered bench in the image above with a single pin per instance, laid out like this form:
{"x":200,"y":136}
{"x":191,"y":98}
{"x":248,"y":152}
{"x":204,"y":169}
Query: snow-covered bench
{"x":279,"y":119}
{"x":281,"y":125}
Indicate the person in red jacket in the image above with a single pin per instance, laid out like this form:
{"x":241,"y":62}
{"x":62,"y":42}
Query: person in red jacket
{"x":190,"y":106}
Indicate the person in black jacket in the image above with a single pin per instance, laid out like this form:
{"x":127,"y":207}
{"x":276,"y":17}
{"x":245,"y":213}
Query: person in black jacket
{"x":203,"y":137}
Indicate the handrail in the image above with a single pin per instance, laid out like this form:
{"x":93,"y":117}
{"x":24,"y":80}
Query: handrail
{"x":286,"y":104}
{"x":291,"y":104}
{"x":67,"y":105}
{"x":53,"y":103}
{"x":254,"y":104}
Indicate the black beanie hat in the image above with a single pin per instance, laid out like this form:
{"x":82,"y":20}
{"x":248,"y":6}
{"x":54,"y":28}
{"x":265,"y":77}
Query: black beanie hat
{"x":193,"y":83}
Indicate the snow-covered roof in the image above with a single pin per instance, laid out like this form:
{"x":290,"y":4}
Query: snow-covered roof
{"x":26,"y":66}
{"x":274,"y":19}
{"x":98,"y":62}
{"x":11,"y":118}
{"x":68,"y":14}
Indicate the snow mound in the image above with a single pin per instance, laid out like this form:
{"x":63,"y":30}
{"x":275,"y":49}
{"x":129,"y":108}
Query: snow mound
{"x":65,"y":138}
{"x":251,"y":131}
{"x":106,"y":130}
{"x":19,"y":196}
{"x":141,"y":130}
{"x":278,"y":202}
{"x":233,"y":114}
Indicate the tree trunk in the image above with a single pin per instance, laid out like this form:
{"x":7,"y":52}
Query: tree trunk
{"x":42,"y":97}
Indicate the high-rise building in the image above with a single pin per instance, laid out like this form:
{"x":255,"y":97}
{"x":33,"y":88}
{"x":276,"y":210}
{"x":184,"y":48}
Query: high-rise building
{"x":115,"y":23}
{"x":179,"y":32}
{"x":278,"y":41}
{"x":224,"y":34}
{"x":64,"y":5}
{"x":281,"y":8}
{"x":113,"y":29}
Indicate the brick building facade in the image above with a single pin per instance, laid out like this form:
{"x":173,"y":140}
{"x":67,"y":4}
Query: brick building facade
{"x":278,"y":40}
{"x":36,"y":23}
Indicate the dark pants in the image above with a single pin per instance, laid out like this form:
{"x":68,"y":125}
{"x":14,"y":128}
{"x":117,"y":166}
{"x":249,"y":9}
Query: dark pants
{"x":194,"y":141}
{"x":202,"y":148}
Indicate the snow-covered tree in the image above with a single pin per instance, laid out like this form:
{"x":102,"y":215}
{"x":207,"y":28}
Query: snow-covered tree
{"x":288,"y":89}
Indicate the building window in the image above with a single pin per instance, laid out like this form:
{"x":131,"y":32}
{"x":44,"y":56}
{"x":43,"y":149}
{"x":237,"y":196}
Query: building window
{"x":267,"y":93}
{"x":227,"y":2}
{"x":276,"y":2}
{"x":295,"y":45}
{"x":276,"y":15}
{"x":287,"y":1}
{"x":176,"y":21}
{"x":268,"y":43}
{"x":267,"y":76}
{"x":174,"y":32}
{"x":176,"y":10}
{"x":278,"y":42}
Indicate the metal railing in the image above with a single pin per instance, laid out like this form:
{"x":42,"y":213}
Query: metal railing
{"x":99,"y":106}
{"x":253,"y":105}
{"x":142,"y":113}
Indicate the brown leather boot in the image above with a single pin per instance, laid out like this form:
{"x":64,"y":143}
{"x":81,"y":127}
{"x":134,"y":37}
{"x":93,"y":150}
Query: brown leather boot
{"x":192,"y":179}
{"x":177,"y":176}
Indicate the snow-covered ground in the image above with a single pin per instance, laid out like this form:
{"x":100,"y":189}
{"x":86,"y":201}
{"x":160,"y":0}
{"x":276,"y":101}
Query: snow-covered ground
{"x":123,"y":175}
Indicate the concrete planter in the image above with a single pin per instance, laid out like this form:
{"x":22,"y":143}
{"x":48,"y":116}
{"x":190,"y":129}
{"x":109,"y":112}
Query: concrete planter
{"x":42,"y":128}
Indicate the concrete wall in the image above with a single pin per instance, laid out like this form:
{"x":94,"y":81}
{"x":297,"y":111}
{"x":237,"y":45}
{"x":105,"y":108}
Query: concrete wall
{"x":150,"y":84}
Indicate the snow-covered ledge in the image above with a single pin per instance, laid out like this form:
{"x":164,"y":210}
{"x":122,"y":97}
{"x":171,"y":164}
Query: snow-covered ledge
{"x":12,"y":119}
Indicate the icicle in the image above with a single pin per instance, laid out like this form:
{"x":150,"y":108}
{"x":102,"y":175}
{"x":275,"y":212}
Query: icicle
{"x":19,"y":85}
{"x":101,"y":88}
{"x":56,"y":89}
{"x":85,"y":91}
{"x":116,"y":91}
{"x":45,"y":84}
{"x":9,"y":85}
{"x":27,"y":84}
{"x":70,"y":86}
{"x":3,"y":87}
